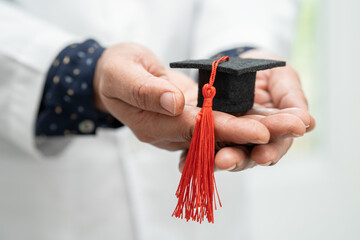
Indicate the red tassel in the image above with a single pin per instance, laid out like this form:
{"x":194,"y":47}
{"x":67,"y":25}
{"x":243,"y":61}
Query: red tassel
{"x":197,"y":187}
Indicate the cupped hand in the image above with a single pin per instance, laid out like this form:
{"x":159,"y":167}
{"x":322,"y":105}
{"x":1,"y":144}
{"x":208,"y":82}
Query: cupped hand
{"x":131,"y":83}
{"x":281,"y":106}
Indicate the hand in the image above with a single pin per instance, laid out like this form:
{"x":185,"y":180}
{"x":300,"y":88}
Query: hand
{"x":132,"y":85}
{"x":281,"y":106}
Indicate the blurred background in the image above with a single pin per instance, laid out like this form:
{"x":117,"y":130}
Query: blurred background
{"x":314,"y":192}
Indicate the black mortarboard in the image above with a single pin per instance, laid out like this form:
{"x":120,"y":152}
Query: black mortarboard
{"x":235,"y":81}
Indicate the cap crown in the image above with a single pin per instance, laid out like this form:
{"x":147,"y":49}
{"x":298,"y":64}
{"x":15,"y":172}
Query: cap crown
{"x":234,"y":81}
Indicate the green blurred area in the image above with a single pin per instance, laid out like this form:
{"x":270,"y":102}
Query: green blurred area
{"x":305,"y":59}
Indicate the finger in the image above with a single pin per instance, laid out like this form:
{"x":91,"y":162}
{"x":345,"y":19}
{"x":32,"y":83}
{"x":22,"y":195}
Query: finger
{"x":283,"y":83}
{"x":157,"y":128}
{"x":230,"y":158}
{"x":170,"y":145}
{"x":312,"y":124}
{"x":285,"y":88}
{"x":262,"y":96}
{"x":270,"y":154}
{"x":229,"y":128}
{"x":233,"y":159}
{"x":261,"y":84}
{"x":303,"y":115}
{"x":281,"y":125}
{"x":185,"y":84}
{"x":269,"y":105}
{"x":132,"y":83}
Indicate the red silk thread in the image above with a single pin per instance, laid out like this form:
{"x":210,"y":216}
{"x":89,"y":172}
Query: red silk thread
{"x":197,"y":186}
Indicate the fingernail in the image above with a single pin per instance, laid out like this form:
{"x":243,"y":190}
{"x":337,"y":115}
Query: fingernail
{"x":230,"y":168}
{"x":296,"y":135}
{"x":260,"y":141}
{"x":307,"y":126}
{"x":266,"y":164}
{"x":251,"y":164}
{"x":168,"y":102}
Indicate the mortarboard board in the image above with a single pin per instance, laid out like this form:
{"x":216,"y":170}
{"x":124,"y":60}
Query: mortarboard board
{"x":235,"y":81}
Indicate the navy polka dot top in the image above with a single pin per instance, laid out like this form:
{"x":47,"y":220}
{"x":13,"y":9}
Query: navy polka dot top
{"x":67,"y":103}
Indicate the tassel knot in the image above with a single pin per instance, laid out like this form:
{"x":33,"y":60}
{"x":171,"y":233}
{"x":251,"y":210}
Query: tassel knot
{"x":208,"y":91}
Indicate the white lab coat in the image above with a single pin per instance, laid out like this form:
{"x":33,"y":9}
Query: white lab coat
{"x":111,"y":186}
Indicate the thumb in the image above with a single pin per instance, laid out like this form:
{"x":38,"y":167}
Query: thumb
{"x":133,"y":84}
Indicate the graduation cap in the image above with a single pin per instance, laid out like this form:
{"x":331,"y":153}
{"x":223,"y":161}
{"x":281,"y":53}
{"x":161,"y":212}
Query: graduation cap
{"x":235,"y":81}
{"x":232,"y":91}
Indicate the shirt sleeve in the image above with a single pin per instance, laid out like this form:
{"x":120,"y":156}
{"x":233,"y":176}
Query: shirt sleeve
{"x":67,"y":102}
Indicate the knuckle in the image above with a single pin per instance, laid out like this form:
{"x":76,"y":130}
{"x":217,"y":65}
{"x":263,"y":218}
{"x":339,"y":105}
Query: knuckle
{"x":271,"y":156}
{"x":254,"y":125}
{"x":140,"y":93}
{"x":143,"y":137}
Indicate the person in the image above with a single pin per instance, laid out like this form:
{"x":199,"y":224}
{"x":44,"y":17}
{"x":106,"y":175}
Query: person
{"x":60,"y":181}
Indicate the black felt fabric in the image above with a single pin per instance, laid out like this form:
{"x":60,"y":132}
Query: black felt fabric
{"x":235,"y":65}
{"x":231,"y":95}
{"x":234,"y":82}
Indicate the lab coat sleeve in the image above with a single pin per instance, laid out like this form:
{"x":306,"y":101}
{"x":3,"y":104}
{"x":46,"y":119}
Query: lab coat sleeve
{"x":27,"y":48}
{"x":228,"y":24}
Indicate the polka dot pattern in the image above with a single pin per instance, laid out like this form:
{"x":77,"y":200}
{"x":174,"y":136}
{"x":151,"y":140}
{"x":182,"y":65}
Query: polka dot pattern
{"x":66,"y":106}
{"x":234,"y":52}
